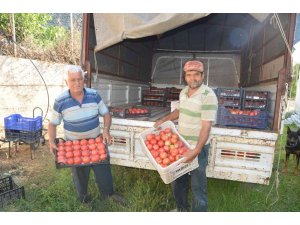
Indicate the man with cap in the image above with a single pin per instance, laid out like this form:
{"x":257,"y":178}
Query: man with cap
{"x":196,"y":112}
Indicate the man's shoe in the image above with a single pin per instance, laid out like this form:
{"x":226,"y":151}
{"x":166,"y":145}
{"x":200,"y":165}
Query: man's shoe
{"x":118,"y":199}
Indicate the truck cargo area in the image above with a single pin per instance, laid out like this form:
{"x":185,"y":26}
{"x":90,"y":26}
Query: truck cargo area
{"x":141,"y":54}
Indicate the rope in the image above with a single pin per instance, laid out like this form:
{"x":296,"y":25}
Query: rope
{"x":282,"y":33}
{"x":276,"y":179}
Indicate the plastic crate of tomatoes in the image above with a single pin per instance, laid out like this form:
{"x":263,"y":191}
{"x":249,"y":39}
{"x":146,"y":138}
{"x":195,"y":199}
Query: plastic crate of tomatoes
{"x":80,"y":152}
{"x":130,"y":112}
{"x":257,"y":119}
{"x":165,"y":147}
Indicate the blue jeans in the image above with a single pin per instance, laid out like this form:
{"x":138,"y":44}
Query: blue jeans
{"x":103,"y":179}
{"x":180,"y":186}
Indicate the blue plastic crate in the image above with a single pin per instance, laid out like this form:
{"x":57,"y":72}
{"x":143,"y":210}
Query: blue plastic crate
{"x":18,"y":122}
{"x":225,"y":118}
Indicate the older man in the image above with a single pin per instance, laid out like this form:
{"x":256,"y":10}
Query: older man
{"x":196,"y":112}
{"x":79,"y":108}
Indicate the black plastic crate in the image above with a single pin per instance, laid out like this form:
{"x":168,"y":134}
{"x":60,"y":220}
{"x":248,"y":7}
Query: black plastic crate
{"x":10,"y":191}
{"x":26,"y":136}
{"x":230,"y":117}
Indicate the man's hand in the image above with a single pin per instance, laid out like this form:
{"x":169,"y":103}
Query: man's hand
{"x":158,"y":123}
{"x":106,"y":137}
{"x":190,"y":155}
{"x":52,"y":147}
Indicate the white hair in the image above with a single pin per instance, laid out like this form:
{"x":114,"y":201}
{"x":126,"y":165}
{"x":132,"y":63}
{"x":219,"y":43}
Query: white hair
{"x":73,"y":69}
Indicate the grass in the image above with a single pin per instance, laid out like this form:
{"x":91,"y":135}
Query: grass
{"x":145,"y":192}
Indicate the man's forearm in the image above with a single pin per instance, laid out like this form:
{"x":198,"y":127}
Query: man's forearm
{"x":107,"y":121}
{"x":51,"y":132}
{"x":172,"y":116}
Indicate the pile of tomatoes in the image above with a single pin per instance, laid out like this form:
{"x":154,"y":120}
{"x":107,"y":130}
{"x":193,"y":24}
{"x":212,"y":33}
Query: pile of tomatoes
{"x":134,"y":111}
{"x":79,"y":152}
{"x":244,"y":112}
{"x":165,"y":147}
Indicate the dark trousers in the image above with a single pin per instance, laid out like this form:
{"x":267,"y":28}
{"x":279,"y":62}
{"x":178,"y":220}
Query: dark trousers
{"x":103,"y":179}
{"x":180,"y":186}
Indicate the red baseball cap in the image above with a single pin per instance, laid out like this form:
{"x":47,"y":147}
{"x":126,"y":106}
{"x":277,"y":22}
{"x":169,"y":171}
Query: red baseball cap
{"x":193,"y":65}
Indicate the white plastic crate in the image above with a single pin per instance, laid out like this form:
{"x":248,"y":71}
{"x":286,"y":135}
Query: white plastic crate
{"x":177,"y":168}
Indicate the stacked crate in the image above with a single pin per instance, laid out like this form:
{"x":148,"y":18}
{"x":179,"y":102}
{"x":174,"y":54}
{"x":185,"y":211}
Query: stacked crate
{"x":172,"y":95}
{"x":154,"y":97}
{"x":242,"y":108}
{"x":19,"y":128}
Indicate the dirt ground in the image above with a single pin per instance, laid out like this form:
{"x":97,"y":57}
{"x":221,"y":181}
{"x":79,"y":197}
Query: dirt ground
{"x":20,"y":165}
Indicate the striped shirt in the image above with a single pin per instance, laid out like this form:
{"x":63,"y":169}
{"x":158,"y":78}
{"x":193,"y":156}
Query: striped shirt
{"x":80,"y":120}
{"x":202,"y":105}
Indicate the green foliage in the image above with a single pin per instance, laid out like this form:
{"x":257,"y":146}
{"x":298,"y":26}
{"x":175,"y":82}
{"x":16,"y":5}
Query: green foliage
{"x":294,"y":81}
{"x":34,"y":26}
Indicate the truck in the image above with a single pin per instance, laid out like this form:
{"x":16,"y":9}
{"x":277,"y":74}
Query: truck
{"x":126,"y":54}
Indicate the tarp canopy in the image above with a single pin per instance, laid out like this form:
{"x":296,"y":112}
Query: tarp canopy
{"x":112,"y":28}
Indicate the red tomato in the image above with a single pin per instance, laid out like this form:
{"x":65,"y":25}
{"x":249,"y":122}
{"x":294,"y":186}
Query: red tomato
{"x":94,"y":152}
{"x":85,"y":153}
{"x":69,"y":149}
{"x":171,"y":158}
{"x":77,"y":160}
{"x":76,"y":142}
{"x":161,"y":133}
{"x":76,"y":147}
{"x":84,"y":147}
{"x":101,"y":146}
{"x":61,"y":159}
{"x":77,"y":153}
{"x":175,"y":136}
{"x":69,"y":155}
{"x":166,"y":161}
{"x":149,"y":146}
{"x":61,"y":148}
{"x":68,"y":143}
{"x":91,"y":141}
{"x":60,"y":153}
{"x":158,"y":160}
{"x":103,"y":157}
{"x":155,"y":147}
{"x":147,"y":142}
{"x":99,"y":140}
{"x":153,"y":141}
{"x":149,"y":137}
{"x":168,"y":130}
{"x":182,"y":151}
{"x":92,"y":146}
{"x":102,"y":151}
{"x":86,"y":159}
{"x":160,"y":143}
{"x":180,"y":143}
{"x":174,"y":140}
{"x":161,"y":150}
{"x":83,"y":142}
{"x":163,"y":155}
{"x":154,"y":153}
{"x":95,"y":158}
{"x":70,"y":161}
{"x":60,"y":143}
{"x":157,"y":137}
{"x":167,"y":148}
{"x":174,"y":152}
